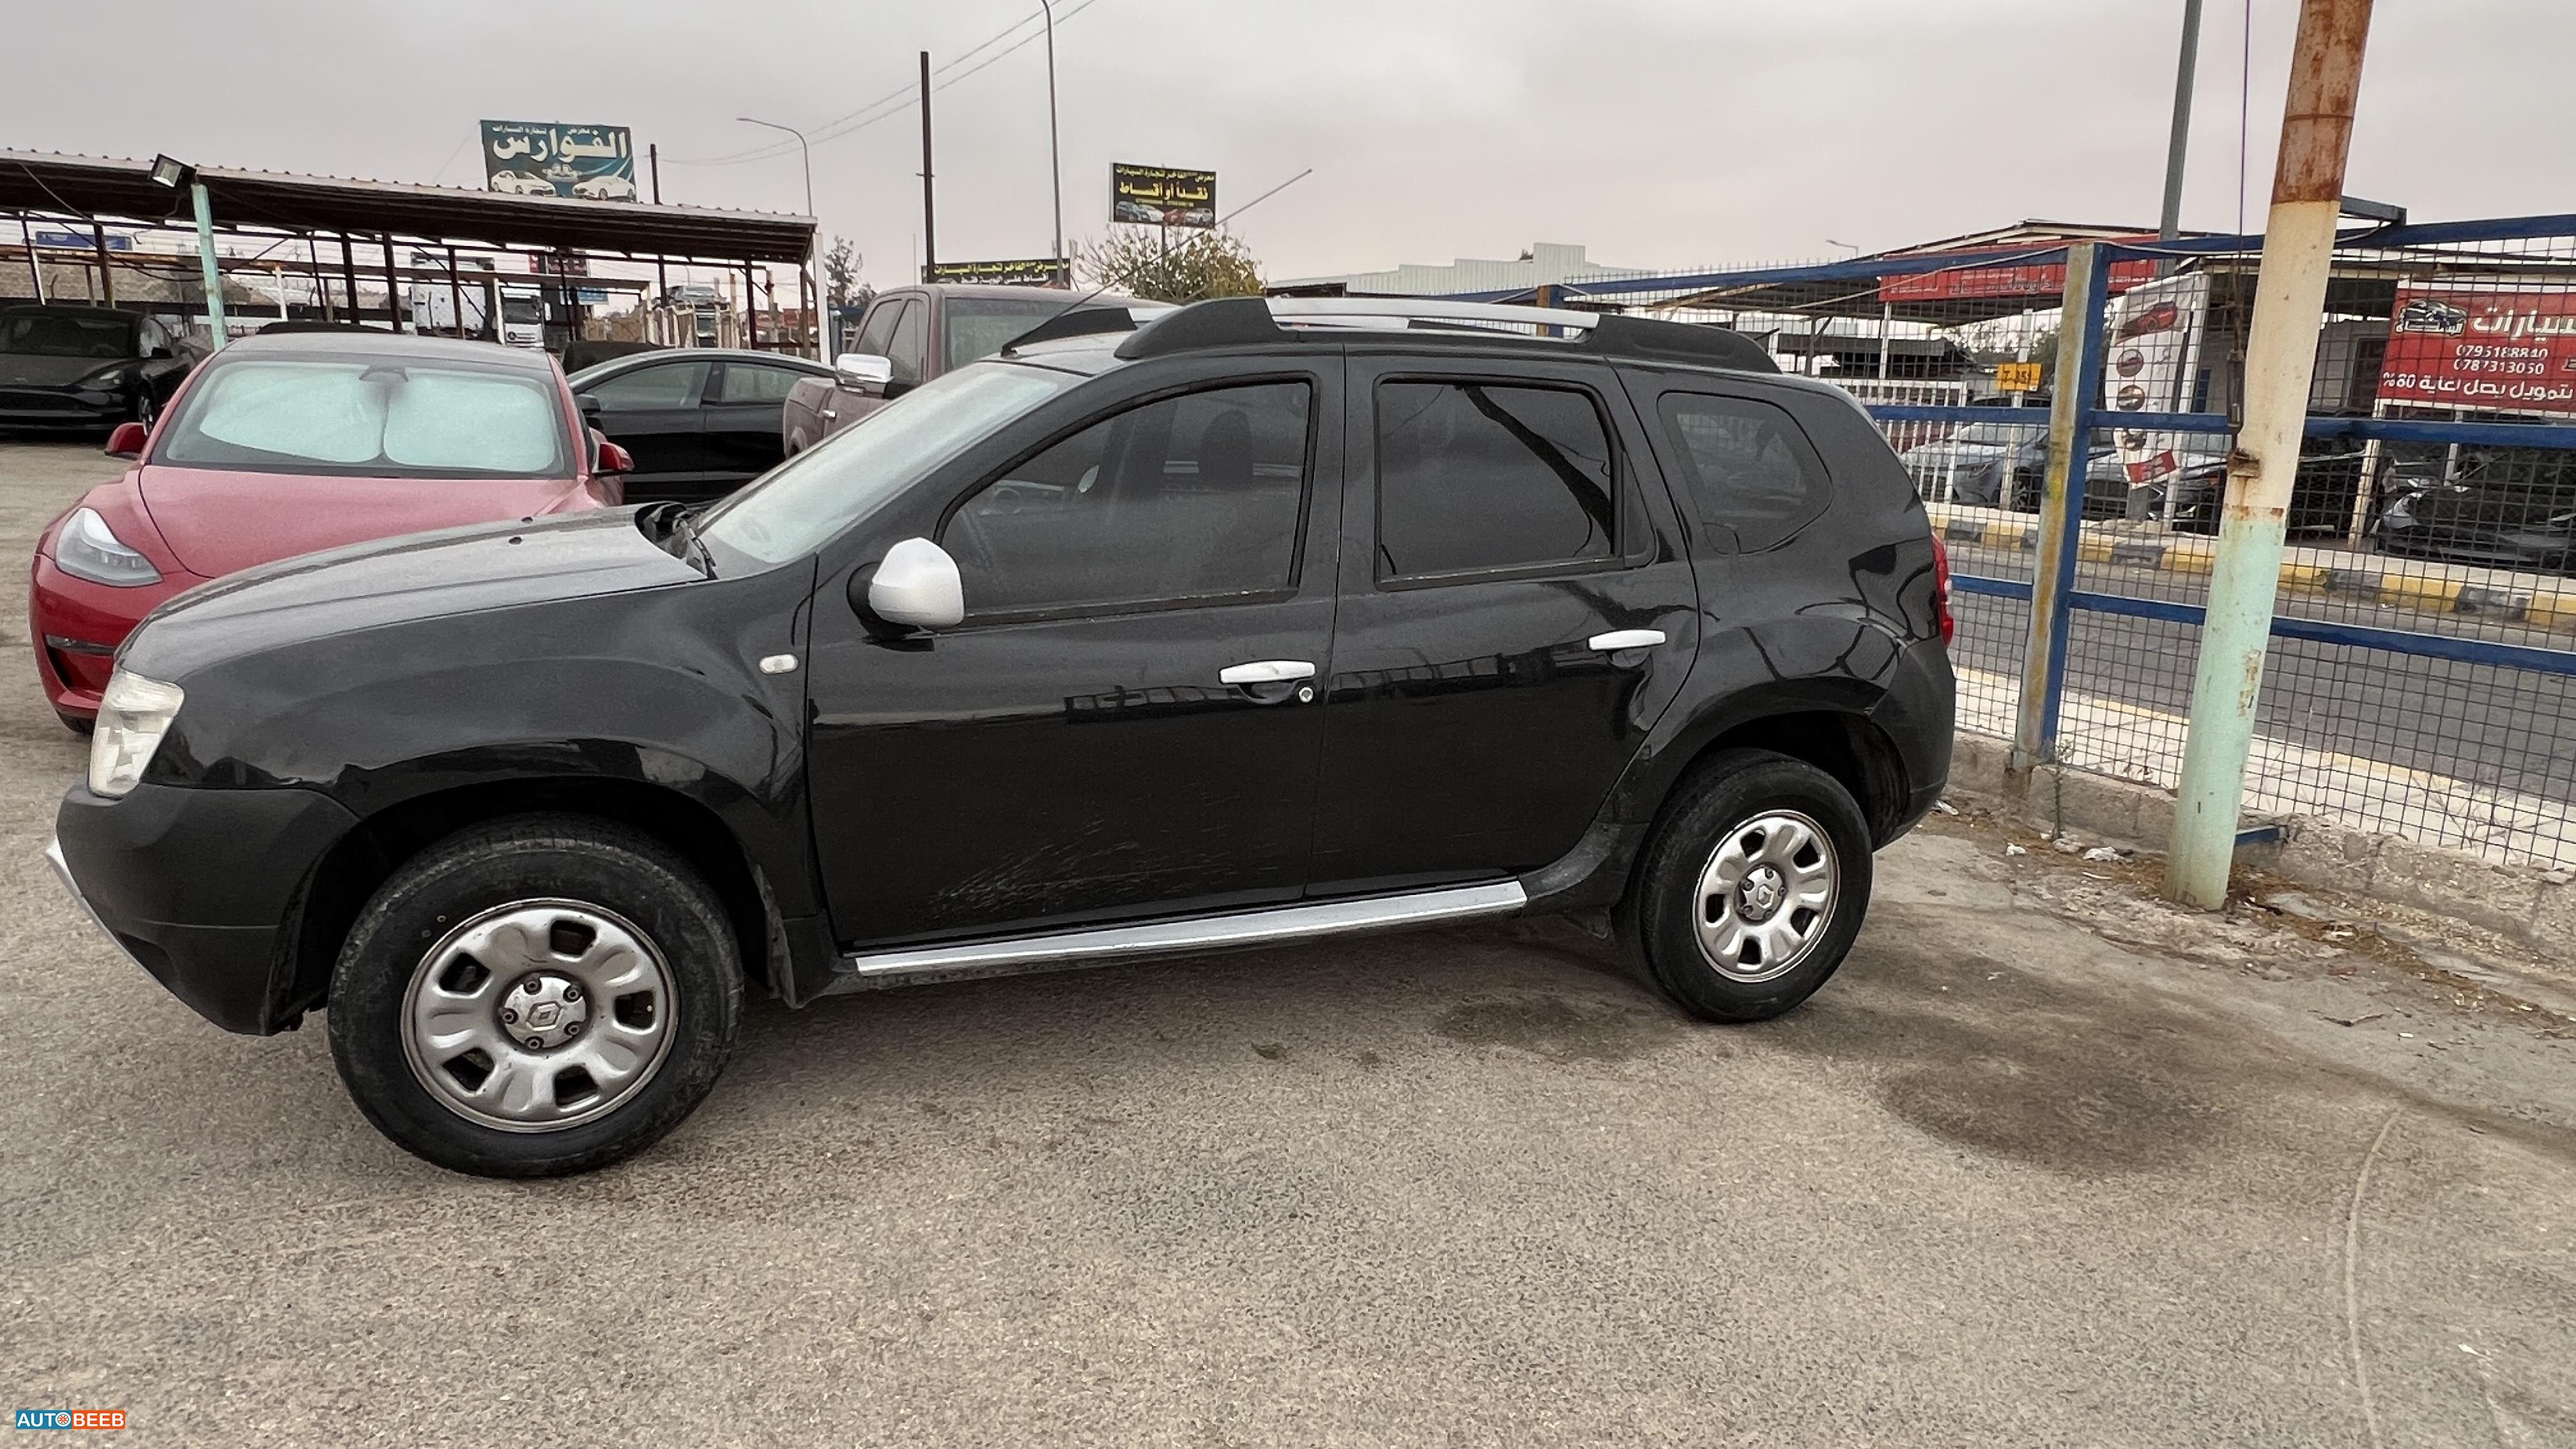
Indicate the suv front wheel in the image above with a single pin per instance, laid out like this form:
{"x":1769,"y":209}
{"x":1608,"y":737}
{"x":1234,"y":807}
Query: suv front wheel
{"x":1754,"y":887}
{"x":536,"y":996}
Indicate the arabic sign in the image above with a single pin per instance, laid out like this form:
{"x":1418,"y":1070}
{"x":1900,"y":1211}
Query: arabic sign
{"x":2153,"y":343}
{"x":2016,"y":377}
{"x":1161,"y":195}
{"x":1026,"y":272}
{"x":2019,"y":279}
{"x":543,"y":158}
{"x":2500,"y":351}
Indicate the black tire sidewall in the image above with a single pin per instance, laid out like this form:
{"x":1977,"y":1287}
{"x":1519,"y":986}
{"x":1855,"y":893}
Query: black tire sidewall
{"x":597,"y":864}
{"x":1724,"y":793}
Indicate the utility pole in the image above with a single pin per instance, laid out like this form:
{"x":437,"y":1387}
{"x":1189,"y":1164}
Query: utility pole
{"x":661,"y":267}
{"x":2171,"y":226}
{"x":1055,"y":151}
{"x":2280,"y":363}
{"x":206,"y":262}
{"x":929,"y":207}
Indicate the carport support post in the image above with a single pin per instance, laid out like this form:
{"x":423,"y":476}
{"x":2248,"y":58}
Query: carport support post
{"x":106,"y":283}
{"x":2280,"y":363}
{"x":206,"y":262}
{"x":2061,"y":506}
{"x":393,"y":290}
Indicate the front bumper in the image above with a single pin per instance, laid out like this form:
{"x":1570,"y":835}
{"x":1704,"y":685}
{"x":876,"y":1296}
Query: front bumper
{"x":198,"y":888}
{"x":81,"y":407}
{"x":76,"y":626}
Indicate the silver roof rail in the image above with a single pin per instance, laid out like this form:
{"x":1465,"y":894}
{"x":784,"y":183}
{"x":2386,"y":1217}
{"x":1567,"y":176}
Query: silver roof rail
{"x":1404,"y":312}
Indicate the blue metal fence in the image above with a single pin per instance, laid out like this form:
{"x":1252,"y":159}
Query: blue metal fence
{"x":2431,"y":694}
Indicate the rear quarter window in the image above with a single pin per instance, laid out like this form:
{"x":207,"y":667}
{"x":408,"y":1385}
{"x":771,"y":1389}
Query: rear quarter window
{"x":1750,"y":473}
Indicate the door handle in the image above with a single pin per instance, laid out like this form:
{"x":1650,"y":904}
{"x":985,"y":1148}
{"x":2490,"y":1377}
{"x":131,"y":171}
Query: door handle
{"x":1618,"y":639}
{"x":1266,"y":671}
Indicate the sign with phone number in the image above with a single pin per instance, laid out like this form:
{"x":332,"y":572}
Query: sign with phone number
{"x":2492,"y":351}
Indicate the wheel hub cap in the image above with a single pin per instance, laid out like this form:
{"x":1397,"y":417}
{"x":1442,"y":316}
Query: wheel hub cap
{"x":1766,"y":896}
{"x":545,"y":1011}
{"x":538,"y":1015}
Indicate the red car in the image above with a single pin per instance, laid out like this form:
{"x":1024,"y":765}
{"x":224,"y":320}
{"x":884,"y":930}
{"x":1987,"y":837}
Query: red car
{"x":281,"y":445}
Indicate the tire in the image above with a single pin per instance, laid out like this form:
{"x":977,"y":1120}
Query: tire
{"x":1776,"y":956}
{"x":79,"y":724}
{"x":444,"y":951}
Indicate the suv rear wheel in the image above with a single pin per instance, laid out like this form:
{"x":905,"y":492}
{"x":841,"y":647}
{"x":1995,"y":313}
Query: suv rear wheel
{"x":1755,"y":886}
{"x":541,"y":995}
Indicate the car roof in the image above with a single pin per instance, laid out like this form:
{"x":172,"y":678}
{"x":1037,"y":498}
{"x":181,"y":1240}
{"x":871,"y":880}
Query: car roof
{"x":692,"y":354}
{"x":997,"y":290}
{"x":389,"y":345}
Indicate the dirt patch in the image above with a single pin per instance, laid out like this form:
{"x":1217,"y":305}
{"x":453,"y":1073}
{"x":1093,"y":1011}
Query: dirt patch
{"x":1560,"y":1030}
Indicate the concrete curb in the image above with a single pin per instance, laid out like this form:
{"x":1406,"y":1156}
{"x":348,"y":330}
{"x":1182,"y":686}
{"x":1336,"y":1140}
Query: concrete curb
{"x":2437,"y":587}
{"x":2525,"y":904}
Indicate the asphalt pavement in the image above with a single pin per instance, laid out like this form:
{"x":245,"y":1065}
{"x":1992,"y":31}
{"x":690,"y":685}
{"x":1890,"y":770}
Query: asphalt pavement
{"x":2046,"y":1164}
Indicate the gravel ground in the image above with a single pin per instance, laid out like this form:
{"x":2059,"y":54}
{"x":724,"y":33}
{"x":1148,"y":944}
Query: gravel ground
{"x":2047,"y":1164}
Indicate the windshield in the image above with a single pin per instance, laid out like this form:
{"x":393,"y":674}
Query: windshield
{"x":978,"y":326}
{"x":821,"y":491}
{"x":34,"y":333}
{"x":368,"y":417}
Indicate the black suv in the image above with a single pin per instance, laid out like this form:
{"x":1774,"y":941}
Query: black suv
{"x":1255,"y":623}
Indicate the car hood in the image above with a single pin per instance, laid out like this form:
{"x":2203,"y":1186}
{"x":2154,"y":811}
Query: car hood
{"x":22,"y":369}
{"x":400,"y":580}
{"x":218,"y":522}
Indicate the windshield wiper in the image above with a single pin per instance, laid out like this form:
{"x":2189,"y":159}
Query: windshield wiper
{"x":671,"y":519}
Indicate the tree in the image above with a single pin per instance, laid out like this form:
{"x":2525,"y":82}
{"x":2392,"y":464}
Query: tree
{"x":841,"y":270}
{"x":1203,"y":264}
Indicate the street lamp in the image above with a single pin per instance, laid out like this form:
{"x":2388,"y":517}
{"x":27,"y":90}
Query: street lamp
{"x":1055,"y":153}
{"x":813,"y":282}
{"x":180,"y":176}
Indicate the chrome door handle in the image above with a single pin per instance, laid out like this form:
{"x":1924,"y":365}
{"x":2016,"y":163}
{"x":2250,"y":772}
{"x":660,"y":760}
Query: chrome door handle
{"x":1618,"y":639}
{"x":1266,"y":671}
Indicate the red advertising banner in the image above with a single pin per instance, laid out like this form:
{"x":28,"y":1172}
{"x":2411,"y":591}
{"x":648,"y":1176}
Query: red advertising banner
{"x":2493,"y":351}
{"x":2033,"y":279}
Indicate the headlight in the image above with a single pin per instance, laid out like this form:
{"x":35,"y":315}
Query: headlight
{"x":133,"y":714}
{"x":88,"y":549}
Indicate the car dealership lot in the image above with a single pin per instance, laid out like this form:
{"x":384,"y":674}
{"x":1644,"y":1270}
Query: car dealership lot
{"x":2003,"y":1180}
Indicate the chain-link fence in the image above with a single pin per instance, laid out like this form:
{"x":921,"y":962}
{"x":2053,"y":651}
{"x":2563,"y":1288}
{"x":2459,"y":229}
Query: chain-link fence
{"x":2424,"y":645}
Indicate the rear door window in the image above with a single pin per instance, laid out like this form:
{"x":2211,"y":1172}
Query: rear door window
{"x":752,"y":382}
{"x":1478,"y":476}
{"x":1750,"y":470}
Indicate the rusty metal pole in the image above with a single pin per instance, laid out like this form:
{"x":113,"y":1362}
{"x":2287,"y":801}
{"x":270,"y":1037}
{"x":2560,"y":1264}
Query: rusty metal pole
{"x":2280,"y":363}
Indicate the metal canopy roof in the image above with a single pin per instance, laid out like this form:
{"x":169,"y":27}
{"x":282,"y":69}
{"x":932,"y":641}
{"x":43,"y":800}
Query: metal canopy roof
{"x":99,"y":186}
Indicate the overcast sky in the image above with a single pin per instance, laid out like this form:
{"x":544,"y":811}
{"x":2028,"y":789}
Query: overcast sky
{"x":1657,"y":132}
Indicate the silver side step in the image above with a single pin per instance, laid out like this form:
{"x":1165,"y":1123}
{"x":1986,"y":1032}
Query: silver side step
{"x":1104,"y":945}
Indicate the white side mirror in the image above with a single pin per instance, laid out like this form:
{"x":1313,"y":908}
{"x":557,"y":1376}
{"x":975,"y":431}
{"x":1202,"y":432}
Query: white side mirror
{"x":917,"y":584}
{"x":864,"y":369}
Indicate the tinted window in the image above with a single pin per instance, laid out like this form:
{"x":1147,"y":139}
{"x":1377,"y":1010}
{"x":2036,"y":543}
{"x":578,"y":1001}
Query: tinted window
{"x":1480,"y":476}
{"x":876,"y":336}
{"x":1192,"y":497}
{"x":749,"y":382}
{"x":1749,"y":467}
{"x":978,"y":326}
{"x":373,"y":418}
{"x":663,"y":385}
{"x":905,"y":349}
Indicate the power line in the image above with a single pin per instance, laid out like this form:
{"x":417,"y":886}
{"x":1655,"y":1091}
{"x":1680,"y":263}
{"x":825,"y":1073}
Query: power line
{"x":896,"y":101}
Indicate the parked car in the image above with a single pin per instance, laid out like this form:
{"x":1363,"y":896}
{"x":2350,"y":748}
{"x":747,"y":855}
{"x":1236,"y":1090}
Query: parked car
{"x":1212,"y":633}
{"x":288,"y":443}
{"x":1989,"y":464}
{"x":87,"y":367}
{"x":910,"y":335}
{"x":2321,"y":496}
{"x":697,"y":422}
{"x":2505,"y":508}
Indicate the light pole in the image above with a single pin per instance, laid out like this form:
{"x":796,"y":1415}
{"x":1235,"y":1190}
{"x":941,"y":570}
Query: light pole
{"x":806,"y":153}
{"x":1055,"y":153}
